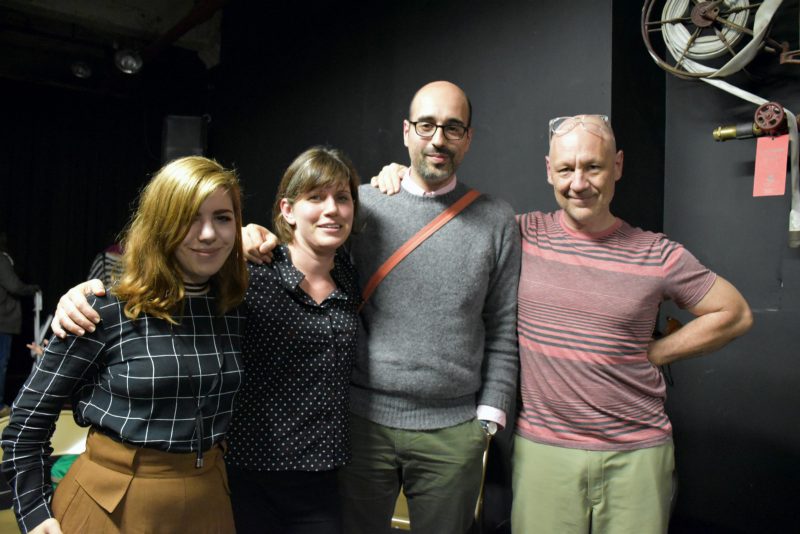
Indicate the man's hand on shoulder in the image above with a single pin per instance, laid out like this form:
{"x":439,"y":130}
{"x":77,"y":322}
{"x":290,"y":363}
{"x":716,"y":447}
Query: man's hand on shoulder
{"x":388,"y":181}
{"x":74,"y":315}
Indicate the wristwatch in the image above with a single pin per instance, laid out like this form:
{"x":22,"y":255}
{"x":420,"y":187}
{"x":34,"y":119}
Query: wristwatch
{"x":490,"y":427}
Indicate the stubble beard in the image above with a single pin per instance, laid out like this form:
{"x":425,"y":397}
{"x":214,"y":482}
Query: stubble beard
{"x":432,"y":175}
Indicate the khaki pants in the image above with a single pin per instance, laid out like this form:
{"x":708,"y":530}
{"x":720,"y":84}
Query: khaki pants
{"x":573,"y":491}
{"x":440,"y":471}
{"x":119,"y":488}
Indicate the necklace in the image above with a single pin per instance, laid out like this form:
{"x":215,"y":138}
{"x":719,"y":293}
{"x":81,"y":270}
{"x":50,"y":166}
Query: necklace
{"x":199,"y":401}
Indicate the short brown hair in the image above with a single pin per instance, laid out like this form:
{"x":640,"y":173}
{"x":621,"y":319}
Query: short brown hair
{"x":316,"y":167}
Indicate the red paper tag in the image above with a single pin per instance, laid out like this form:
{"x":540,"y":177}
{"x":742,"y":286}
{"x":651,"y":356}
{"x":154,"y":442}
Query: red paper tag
{"x":771,"y":156}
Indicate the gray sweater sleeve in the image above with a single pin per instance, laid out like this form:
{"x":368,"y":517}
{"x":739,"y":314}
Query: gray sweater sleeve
{"x":501,"y":360}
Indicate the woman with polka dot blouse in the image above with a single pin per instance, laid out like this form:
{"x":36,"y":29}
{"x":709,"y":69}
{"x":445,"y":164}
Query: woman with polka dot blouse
{"x":290,"y":433}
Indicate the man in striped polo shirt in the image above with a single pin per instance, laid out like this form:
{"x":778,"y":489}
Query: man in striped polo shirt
{"x":593,"y":451}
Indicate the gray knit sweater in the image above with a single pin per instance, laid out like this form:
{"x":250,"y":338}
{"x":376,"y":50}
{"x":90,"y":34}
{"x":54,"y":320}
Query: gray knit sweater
{"x":439,"y":333}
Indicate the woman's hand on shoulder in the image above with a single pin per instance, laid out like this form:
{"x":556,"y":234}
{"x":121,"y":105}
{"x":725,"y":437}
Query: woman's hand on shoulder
{"x":258,"y":243}
{"x":388,"y":180}
{"x":74,"y":314}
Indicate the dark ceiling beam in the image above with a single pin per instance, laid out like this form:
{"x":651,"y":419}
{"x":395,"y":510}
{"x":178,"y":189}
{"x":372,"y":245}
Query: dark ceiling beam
{"x":198,"y":15}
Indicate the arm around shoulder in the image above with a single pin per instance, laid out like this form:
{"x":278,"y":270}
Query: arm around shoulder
{"x":721,"y":316}
{"x":258,"y":243}
{"x":74,"y":314}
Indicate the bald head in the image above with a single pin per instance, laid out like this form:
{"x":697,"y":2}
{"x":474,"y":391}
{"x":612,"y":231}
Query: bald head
{"x":583,"y":168}
{"x":596,"y":125}
{"x":444,"y":112}
{"x":444,"y":92}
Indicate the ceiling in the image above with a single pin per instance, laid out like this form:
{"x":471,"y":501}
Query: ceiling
{"x":42,"y":41}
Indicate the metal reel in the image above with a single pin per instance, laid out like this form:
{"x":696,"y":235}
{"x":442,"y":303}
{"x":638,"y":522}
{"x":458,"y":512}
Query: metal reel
{"x":699,"y":36}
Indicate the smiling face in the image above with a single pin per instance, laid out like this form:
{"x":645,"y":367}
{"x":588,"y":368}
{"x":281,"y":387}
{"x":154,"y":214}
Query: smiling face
{"x":435,"y":160}
{"x":321,"y":219}
{"x":210,"y":239}
{"x":583,"y":169}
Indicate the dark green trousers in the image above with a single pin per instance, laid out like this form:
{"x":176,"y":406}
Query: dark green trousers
{"x":439,"y":470}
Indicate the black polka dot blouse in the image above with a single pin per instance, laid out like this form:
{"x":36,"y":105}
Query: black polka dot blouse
{"x":292,"y":412}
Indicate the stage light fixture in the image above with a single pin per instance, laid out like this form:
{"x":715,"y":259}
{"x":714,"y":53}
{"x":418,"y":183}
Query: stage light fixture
{"x":128,"y":61}
{"x":81,"y":69}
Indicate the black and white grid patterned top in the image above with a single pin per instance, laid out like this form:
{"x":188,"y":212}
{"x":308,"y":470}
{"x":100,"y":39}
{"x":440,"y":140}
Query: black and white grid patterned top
{"x":129,"y":380}
{"x":292,"y":412}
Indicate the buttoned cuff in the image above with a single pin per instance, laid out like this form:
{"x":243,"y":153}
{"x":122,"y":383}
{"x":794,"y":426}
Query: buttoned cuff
{"x":488,"y":413}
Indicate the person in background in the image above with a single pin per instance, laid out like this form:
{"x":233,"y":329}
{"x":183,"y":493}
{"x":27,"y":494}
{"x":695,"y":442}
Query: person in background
{"x":36,"y":349}
{"x":11,"y":288}
{"x":107,"y":265}
{"x":156,"y":379}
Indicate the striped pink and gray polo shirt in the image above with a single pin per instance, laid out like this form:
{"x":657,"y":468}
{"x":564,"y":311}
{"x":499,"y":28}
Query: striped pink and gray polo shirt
{"x":588,"y":304}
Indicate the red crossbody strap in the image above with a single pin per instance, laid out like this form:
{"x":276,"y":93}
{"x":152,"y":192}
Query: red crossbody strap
{"x":416,"y":240}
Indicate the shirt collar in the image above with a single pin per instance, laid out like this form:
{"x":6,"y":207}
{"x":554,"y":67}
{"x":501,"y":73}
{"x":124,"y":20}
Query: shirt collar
{"x":291,"y":276}
{"x":411,"y":186}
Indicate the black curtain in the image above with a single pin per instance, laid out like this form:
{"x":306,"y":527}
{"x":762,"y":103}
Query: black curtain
{"x":71,"y":165}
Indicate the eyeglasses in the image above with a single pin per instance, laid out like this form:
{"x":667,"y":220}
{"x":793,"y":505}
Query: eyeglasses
{"x":563,"y":125}
{"x":427,"y":130}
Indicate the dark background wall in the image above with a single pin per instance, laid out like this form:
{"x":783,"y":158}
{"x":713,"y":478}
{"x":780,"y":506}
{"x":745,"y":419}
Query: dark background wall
{"x":72,"y":162}
{"x":342,"y":73}
{"x":737,"y":425}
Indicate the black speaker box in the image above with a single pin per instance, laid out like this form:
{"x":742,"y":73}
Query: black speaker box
{"x":183,"y":136}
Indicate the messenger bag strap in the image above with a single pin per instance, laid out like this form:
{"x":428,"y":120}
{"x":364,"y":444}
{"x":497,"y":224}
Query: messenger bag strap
{"x":415,"y":241}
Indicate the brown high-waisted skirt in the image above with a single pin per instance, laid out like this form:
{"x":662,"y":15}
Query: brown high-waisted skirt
{"x":119,"y":488}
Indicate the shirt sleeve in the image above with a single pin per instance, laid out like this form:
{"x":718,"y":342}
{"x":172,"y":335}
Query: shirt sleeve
{"x":686,"y":280}
{"x":64,"y":367}
{"x":487,"y":413}
{"x":501,"y":352}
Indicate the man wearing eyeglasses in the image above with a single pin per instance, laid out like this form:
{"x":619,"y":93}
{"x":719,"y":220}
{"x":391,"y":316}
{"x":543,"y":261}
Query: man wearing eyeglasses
{"x":439,"y":356}
{"x":593,"y":450}
{"x":439,"y":363}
